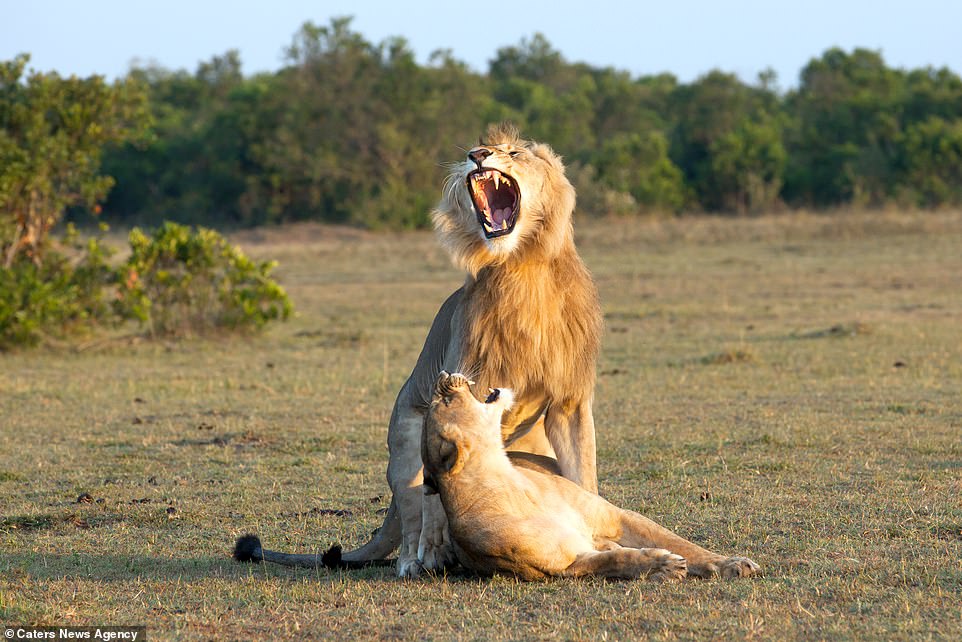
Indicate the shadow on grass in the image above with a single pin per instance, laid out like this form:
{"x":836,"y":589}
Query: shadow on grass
{"x":119,"y":568}
{"x":58,"y":566}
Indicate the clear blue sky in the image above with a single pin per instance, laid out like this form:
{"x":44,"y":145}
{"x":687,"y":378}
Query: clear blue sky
{"x":685,"y":37}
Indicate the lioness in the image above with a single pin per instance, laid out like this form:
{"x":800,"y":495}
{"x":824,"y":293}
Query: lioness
{"x":513,"y":519}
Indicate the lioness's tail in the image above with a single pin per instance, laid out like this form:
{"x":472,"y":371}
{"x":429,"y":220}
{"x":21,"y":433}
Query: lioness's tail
{"x":248,"y":549}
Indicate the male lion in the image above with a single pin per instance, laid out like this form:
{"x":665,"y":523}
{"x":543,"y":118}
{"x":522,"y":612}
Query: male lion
{"x":527,"y":317}
{"x":512,"y":519}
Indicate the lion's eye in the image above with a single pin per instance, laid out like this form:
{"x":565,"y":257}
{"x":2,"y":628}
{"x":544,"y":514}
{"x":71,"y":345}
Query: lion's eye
{"x":515,"y":154}
{"x":493,"y":396}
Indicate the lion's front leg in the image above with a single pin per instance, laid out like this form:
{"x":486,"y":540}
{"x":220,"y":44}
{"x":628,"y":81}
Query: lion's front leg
{"x":425,"y":542}
{"x":405,"y":476}
{"x":571,"y":433}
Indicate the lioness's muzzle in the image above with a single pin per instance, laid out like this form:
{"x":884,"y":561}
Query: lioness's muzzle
{"x":448,"y":383}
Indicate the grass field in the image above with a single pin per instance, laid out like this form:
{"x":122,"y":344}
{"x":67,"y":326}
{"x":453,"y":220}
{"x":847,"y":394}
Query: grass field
{"x":787,"y":388}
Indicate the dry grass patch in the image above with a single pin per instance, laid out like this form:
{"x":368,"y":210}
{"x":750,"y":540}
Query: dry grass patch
{"x":728,"y":408}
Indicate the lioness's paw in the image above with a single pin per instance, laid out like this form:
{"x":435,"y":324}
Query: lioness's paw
{"x":738,"y":567}
{"x":725,"y":567}
{"x":668,"y":567}
{"x":434,"y":546}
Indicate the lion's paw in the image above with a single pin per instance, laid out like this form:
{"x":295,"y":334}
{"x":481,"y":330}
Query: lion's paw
{"x":437,"y":558}
{"x":409,"y":568}
{"x":668,"y":567}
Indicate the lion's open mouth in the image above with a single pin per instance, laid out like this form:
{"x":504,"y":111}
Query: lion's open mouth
{"x":496,"y":199}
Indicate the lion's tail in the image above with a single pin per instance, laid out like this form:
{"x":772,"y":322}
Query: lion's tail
{"x":248,"y":549}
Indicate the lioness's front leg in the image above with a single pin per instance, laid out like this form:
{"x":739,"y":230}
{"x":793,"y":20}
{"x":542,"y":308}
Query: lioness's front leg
{"x":434,"y":548}
{"x":571,"y":432}
{"x":629,"y":563}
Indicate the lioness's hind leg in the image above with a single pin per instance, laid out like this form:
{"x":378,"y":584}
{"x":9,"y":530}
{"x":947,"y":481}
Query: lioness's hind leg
{"x":638,"y":530}
{"x":630,"y":563}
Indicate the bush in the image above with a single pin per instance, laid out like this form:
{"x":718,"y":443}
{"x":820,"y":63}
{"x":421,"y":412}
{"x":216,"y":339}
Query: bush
{"x":55,"y":297}
{"x":182,"y":282}
{"x":33,"y":299}
{"x":175,"y":282}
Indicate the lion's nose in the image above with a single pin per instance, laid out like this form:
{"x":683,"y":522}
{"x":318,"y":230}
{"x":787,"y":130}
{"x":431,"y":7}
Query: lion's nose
{"x":478,"y":154}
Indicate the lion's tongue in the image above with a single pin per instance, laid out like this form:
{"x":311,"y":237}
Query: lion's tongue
{"x":499,"y":216}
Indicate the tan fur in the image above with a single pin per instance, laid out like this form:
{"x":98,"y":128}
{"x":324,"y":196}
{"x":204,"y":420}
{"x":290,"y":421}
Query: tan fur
{"x":527,"y":318}
{"x":528,"y":522}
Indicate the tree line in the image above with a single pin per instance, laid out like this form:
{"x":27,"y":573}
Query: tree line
{"x":357,"y":132}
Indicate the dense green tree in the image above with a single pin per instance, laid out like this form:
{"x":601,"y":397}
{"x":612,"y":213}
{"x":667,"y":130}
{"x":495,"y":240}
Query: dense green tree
{"x":748,"y":164}
{"x":196,"y":165}
{"x":638,"y":164}
{"x":713,"y":116}
{"x":549,"y":98}
{"x":52,"y":133}
{"x":363,"y":130}
{"x":932,"y":92}
{"x":622,"y":105}
{"x":933,"y":153}
{"x":844,"y":143}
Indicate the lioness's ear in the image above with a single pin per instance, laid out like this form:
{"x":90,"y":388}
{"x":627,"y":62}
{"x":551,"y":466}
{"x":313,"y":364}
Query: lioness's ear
{"x":451,"y":451}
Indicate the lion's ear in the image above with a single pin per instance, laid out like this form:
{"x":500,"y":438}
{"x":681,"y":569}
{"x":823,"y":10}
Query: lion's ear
{"x":545,"y":153}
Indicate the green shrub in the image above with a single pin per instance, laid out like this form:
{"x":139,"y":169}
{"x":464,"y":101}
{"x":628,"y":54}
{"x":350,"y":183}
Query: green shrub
{"x":175,"y":282}
{"x":32,"y":300}
{"x":55,"y":297}
{"x":180,"y":282}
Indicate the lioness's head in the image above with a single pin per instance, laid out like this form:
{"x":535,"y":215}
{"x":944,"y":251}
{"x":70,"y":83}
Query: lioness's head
{"x":458,"y":423}
{"x":508,"y":196}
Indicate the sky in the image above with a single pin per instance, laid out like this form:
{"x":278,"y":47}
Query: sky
{"x":685,"y":37}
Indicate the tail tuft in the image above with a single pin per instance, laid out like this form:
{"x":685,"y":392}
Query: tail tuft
{"x":248,"y":549}
{"x":332,"y":557}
